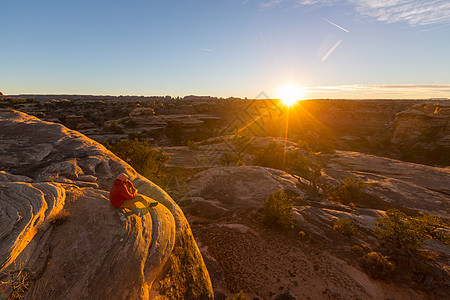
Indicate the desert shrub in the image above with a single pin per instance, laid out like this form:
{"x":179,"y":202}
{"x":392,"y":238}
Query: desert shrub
{"x":229,"y":158}
{"x":241,"y":143}
{"x":349,"y":191}
{"x":346,"y":226}
{"x":271,"y":156}
{"x":316,"y":143}
{"x":303,"y":145}
{"x":399,"y":230}
{"x":277,"y":209}
{"x":134,"y":136}
{"x":378,"y":265}
{"x":403,"y":236}
{"x":17,"y":283}
{"x":143,"y":158}
{"x":114,"y":127}
{"x":301,"y":166}
{"x":430,"y":226}
{"x":238,"y":296}
{"x":357,"y":248}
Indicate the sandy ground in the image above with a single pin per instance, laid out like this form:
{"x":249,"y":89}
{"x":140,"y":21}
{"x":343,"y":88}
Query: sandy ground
{"x":267,"y":264}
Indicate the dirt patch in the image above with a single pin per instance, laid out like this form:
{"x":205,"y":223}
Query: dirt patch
{"x":266,"y":264}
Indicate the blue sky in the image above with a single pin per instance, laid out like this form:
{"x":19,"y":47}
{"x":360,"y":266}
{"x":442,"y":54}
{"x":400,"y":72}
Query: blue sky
{"x":334,"y":49}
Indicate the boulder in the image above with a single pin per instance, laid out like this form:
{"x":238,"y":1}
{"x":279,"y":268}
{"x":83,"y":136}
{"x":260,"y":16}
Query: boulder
{"x":241,"y":187}
{"x":413,"y":186}
{"x":59,"y":229}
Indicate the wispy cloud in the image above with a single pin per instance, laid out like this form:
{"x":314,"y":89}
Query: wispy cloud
{"x":393,"y":88}
{"x":204,"y":49}
{"x":413,"y":12}
{"x":430,"y":90}
{"x":409,"y":11}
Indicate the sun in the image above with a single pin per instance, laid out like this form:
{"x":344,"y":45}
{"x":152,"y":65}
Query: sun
{"x":290,"y":94}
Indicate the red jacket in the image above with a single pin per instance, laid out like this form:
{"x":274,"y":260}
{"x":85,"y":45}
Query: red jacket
{"x":120,"y":192}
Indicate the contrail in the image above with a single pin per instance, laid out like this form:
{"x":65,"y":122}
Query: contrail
{"x":331,"y":50}
{"x":334,"y":24}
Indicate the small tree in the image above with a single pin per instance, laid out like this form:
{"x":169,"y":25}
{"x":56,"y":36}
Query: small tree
{"x":431,"y":226}
{"x":399,"y":230}
{"x":349,"y":191}
{"x":301,"y":166}
{"x":143,"y":158}
{"x":378,"y":265}
{"x":277,"y":210}
{"x":229,"y":158}
{"x":271,"y":156}
{"x":114,"y":127}
{"x":346,"y":226}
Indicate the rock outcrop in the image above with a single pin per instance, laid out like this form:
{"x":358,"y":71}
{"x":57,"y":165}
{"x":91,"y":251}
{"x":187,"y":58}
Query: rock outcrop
{"x":221,"y":191}
{"x":422,"y":123}
{"x":225,"y":202}
{"x":59,"y":230}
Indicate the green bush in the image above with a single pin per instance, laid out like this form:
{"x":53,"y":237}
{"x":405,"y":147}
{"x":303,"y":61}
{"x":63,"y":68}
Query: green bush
{"x":271,"y":156}
{"x":399,"y":230}
{"x":403,"y":237}
{"x":316,"y":143}
{"x":349,"y":191}
{"x":114,"y":127}
{"x":346,"y":226}
{"x":378,"y":265}
{"x":302,"y":166}
{"x":430,"y":225}
{"x":229,"y":158}
{"x":143,"y":158}
{"x":134,"y":136}
{"x":277,"y":209}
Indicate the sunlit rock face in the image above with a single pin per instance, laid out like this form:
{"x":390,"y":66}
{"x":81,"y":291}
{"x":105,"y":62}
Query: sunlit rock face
{"x":57,"y":224}
{"x":221,"y":191}
{"x":234,"y":242}
{"x":427,"y":124}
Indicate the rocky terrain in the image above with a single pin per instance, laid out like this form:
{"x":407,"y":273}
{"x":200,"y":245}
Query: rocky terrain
{"x":222,"y":198}
{"x":61,"y":238}
{"x":313,"y":261}
{"x":412,"y":130}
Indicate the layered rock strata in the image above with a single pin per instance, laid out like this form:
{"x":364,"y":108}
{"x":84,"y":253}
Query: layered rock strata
{"x":58,"y":227}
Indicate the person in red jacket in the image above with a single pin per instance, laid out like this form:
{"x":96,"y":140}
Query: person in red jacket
{"x":123,"y":194}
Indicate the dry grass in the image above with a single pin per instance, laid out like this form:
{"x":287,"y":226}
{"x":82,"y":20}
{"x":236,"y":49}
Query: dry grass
{"x":17,"y":283}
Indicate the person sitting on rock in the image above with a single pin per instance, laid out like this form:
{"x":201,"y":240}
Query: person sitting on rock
{"x":124,"y":195}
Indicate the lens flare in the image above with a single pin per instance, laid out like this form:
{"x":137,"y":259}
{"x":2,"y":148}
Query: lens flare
{"x":290,"y":94}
